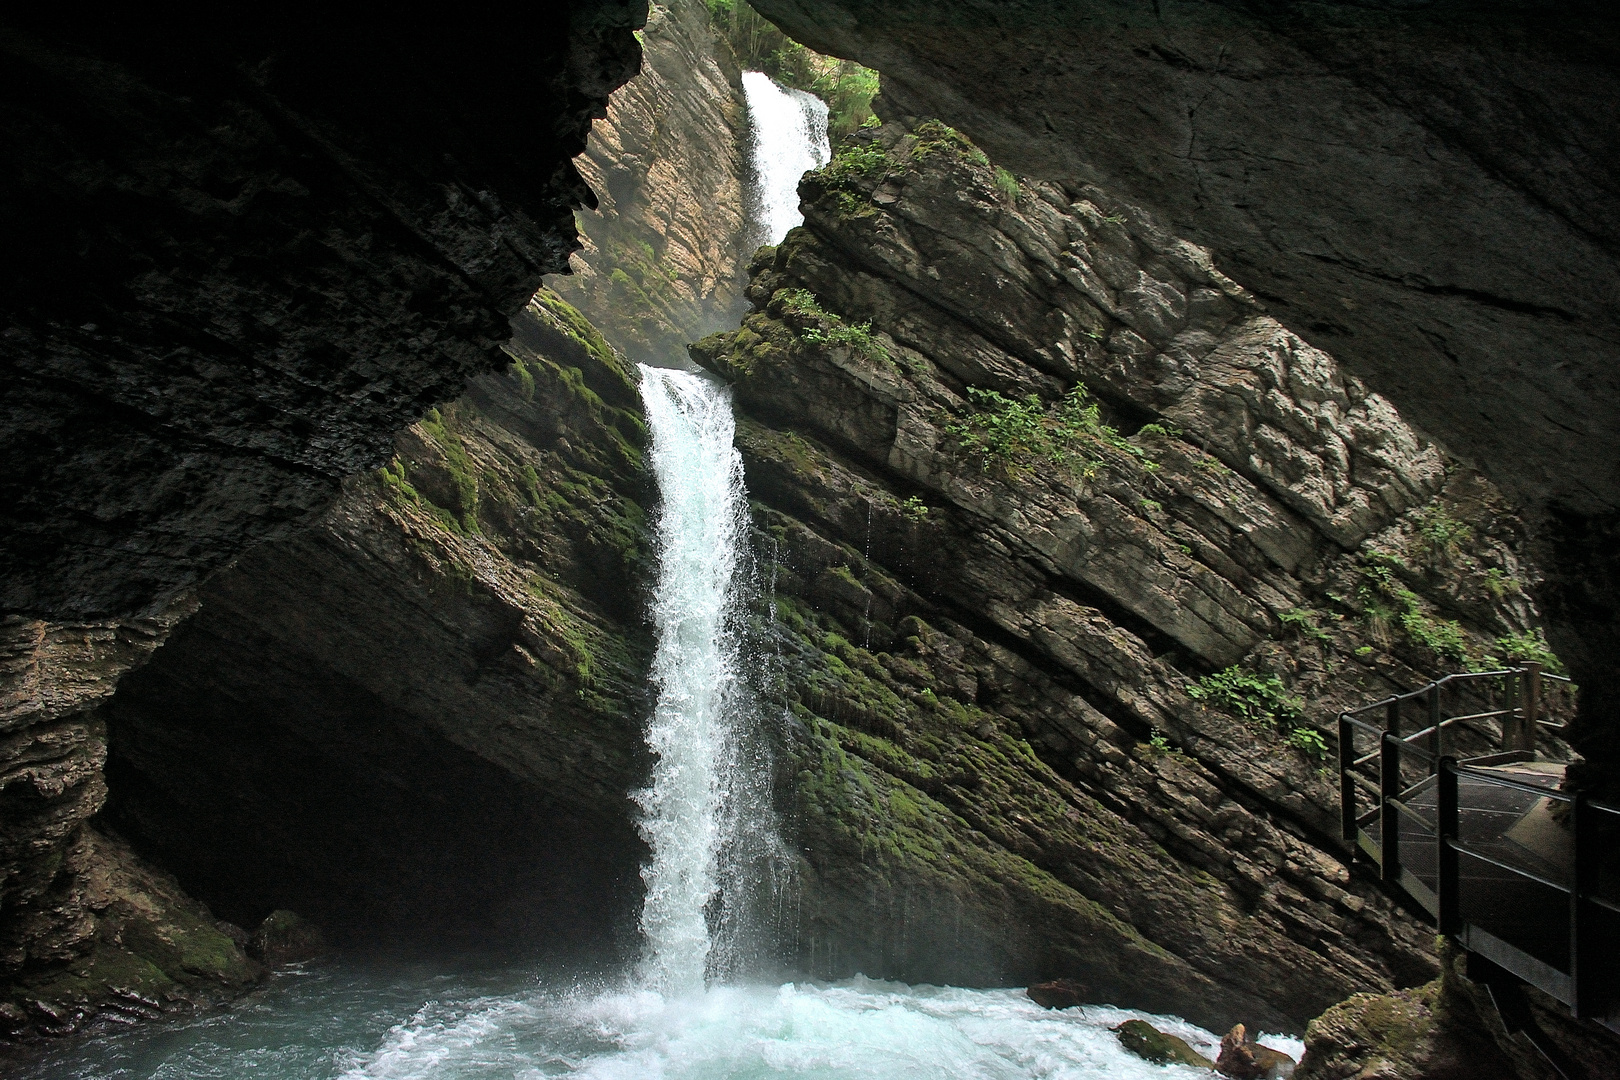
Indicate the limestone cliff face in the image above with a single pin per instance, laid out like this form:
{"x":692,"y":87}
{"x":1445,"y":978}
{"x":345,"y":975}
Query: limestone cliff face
{"x":998,"y":603}
{"x":453,"y":657}
{"x":247,"y":248}
{"x":418,"y":717}
{"x":664,"y":252}
{"x":1425,"y":190}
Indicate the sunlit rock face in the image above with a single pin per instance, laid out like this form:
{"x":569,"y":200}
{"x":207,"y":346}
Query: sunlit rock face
{"x":1423,"y":190}
{"x":990,"y":614}
{"x":664,"y":251}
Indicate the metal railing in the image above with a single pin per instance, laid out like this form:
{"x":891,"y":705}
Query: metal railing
{"x":1583,"y":982}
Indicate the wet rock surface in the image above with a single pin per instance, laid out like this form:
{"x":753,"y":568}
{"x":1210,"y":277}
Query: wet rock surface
{"x":1149,"y":1043}
{"x":989,"y":654}
{"x":113,"y":939}
{"x":286,"y":937}
{"x":1421,"y":190}
{"x":417,"y":718}
{"x":1059,"y":994}
{"x":665,"y":249}
{"x":249,"y":248}
{"x":1244,"y":1059}
{"x":421,"y":716}
{"x":1412,"y":1034}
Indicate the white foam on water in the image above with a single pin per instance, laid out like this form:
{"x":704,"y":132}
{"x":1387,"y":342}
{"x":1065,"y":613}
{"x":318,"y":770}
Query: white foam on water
{"x":847,"y":1031}
{"x":790,"y":138}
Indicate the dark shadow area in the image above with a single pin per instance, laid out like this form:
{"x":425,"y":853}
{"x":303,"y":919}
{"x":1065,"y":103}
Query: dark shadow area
{"x":264,"y":779}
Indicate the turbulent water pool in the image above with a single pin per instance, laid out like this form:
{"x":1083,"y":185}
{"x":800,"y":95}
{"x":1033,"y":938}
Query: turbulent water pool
{"x":364,"y":1019}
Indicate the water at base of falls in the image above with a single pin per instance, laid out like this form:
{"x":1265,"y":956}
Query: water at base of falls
{"x":368,"y":1020}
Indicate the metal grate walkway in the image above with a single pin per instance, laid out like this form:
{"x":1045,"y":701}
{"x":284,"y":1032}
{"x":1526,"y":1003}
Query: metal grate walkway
{"x":1519,"y":872}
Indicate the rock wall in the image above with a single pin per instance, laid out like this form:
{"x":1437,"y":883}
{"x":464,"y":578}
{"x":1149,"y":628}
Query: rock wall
{"x":246,"y":251}
{"x":997,"y":602}
{"x":453,"y":658}
{"x":247,"y":248}
{"x":1424,"y":190}
{"x":664,"y":252}
{"x":418,"y":719}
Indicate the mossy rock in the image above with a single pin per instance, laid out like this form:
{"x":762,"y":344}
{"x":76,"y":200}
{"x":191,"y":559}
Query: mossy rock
{"x":1149,"y":1043}
{"x":285,"y":937}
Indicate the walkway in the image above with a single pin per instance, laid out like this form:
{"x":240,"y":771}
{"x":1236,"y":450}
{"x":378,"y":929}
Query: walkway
{"x":1519,"y":872}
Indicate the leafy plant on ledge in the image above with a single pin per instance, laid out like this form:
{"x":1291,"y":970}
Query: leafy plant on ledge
{"x":1018,"y":434}
{"x":829,"y":328}
{"x":1302,"y":621}
{"x":1264,"y":702}
{"x":1258,"y":699}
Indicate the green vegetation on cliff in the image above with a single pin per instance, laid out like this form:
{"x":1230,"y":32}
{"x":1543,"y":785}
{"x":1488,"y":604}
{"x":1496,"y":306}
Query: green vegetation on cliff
{"x":1017,"y":436}
{"x":823,"y":327}
{"x":846,"y":87}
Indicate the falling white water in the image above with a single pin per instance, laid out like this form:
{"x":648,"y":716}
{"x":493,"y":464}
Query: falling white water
{"x":694,"y":732}
{"x":706,"y":813}
{"x":790,"y":138}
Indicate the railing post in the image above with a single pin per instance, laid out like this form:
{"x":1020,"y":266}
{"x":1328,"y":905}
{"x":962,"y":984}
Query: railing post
{"x":1347,"y":784}
{"x":1389,"y":818}
{"x":1586,"y":970}
{"x":1434,"y":725}
{"x":1512,"y":702}
{"x":1532,"y":707}
{"x":1449,"y":904}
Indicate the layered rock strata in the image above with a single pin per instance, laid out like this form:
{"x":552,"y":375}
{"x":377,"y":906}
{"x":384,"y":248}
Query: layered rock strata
{"x":418,"y":719}
{"x":453,"y":659}
{"x":996,"y":601}
{"x":665,"y":250}
{"x":1425,"y":190}
{"x":247,"y":248}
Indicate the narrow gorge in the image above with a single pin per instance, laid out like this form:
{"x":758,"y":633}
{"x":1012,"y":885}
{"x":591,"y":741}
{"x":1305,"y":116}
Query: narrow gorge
{"x":866,"y":577}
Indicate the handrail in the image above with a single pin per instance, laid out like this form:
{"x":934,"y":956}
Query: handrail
{"x":1518,"y":785}
{"x":1473,"y":852}
{"x":1381,"y":833}
{"x":1444,"y":680}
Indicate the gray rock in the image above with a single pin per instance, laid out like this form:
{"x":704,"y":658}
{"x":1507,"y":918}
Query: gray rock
{"x":286,"y":937}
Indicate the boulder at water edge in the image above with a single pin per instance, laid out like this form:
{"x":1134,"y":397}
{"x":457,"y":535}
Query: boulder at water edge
{"x":1148,"y":1042}
{"x":1057,"y":994}
{"x":285,"y":937}
{"x":1242,"y":1059}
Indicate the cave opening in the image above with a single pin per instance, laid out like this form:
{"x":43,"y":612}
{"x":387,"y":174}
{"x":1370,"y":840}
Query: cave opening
{"x":248,"y":760}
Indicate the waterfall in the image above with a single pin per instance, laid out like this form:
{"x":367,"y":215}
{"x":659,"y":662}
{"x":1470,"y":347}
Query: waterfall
{"x":694,"y":731}
{"x":706,"y":813}
{"x":789,"y":130}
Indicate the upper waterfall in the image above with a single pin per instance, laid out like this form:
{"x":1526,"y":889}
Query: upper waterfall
{"x":789,"y":130}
